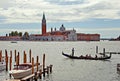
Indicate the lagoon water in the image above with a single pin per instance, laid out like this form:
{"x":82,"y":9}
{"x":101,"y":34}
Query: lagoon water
{"x":65,"y":69}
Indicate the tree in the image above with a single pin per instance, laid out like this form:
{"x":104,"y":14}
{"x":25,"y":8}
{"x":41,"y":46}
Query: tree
{"x":15,"y":33}
{"x":20,"y":33}
{"x":12,"y":33}
{"x":26,"y":36}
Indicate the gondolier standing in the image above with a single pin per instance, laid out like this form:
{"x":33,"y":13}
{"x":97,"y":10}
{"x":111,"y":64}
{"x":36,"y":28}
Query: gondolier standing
{"x":72,"y":51}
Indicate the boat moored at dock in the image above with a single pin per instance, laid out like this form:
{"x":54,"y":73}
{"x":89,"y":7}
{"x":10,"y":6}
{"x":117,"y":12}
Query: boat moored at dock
{"x":23,"y":70}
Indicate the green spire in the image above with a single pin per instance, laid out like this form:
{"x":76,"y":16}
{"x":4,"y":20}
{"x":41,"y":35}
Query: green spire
{"x":44,"y":16}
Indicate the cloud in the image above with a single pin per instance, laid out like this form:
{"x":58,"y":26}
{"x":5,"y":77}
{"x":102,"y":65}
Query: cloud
{"x":26,"y":11}
{"x":105,"y":32}
{"x":65,"y":2}
{"x":5,"y":4}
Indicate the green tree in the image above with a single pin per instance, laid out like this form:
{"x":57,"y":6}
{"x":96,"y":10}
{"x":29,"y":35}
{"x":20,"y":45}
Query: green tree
{"x":26,"y":36}
{"x":12,"y":33}
{"x":20,"y":33}
{"x":15,"y":33}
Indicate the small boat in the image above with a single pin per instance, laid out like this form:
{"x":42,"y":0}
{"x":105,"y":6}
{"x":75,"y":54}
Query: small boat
{"x":23,"y":70}
{"x":2,"y":64}
{"x":13,"y":41}
{"x":87,"y":58}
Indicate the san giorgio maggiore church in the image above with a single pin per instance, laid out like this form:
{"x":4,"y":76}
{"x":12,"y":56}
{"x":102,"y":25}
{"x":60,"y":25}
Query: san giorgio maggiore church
{"x":62,"y":34}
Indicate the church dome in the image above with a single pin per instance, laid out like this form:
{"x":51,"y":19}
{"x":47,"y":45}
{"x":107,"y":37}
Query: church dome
{"x":62,"y":28}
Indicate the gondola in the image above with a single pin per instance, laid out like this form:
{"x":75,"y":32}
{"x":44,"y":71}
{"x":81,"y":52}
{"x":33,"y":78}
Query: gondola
{"x":87,"y":58}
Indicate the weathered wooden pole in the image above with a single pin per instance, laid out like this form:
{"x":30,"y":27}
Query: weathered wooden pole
{"x":17,"y":61}
{"x":43,"y":65}
{"x":24,"y":58}
{"x":15,"y":55}
{"x":30,"y":55}
{"x":6,"y":58}
{"x":96,"y":49}
{"x":10,"y":53}
{"x":47,"y":69}
{"x":0,"y":55}
{"x":37,"y":62}
{"x":18,"y":58}
{"x":40,"y":74}
{"x":10,"y":64}
{"x":35,"y":78}
{"x":104,"y":52}
{"x":51,"y":68}
{"x":32,"y":65}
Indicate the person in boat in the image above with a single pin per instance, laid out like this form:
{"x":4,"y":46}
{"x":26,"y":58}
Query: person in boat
{"x":95,"y":56}
{"x":72,"y":51}
{"x":89,"y":56}
{"x":81,"y":56}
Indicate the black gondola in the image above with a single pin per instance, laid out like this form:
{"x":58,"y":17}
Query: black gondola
{"x":87,"y":58}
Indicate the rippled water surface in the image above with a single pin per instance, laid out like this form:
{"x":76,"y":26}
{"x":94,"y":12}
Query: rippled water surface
{"x":65,"y":69}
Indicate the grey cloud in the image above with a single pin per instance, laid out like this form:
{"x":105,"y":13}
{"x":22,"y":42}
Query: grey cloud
{"x":65,"y":2}
{"x":5,"y":3}
{"x":97,"y":6}
{"x":2,"y":19}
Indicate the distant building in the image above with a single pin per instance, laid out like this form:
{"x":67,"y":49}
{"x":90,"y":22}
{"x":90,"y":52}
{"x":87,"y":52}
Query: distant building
{"x":62,"y":34}
{"x":88,"y":37}
{"x":10,"y":38}
{"x":54,"y":35}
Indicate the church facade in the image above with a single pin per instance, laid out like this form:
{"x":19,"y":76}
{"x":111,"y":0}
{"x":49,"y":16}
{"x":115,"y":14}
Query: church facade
{"x":62,"y":34}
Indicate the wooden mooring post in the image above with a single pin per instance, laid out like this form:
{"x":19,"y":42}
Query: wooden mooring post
{"x":10,"y":63}
{"x":32,"y":65}
{"x":104,"y":52}
{"x":17,"y":59}
{"x":51,"y":68}
{"x":43,"y":65}
{"x":6,"y":59}
{"x":0,"y":55}
{"x":15,"y":54}
{"x":37,"y":63}
{"x":30,"y":55}
{"x":24,"y":58}
{"x":40,"y":74}
{"x":96,"y":49}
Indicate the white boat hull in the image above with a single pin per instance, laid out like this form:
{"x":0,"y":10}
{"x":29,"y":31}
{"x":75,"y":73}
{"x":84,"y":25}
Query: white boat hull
{"x":18,"y":74}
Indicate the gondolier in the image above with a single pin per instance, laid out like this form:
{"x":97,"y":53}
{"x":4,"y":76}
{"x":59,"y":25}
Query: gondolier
{"x":72,"y":51}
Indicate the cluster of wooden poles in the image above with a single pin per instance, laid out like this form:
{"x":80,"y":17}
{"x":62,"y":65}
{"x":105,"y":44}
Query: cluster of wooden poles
{"x":104,"y":52}
{"x":44,"y":70}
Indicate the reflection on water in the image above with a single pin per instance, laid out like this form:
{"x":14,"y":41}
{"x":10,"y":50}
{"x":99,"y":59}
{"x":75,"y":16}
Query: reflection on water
{"x":65,"y":69}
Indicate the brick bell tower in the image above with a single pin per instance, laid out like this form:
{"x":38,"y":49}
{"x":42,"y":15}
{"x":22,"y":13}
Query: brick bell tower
{"x":43,"y":25}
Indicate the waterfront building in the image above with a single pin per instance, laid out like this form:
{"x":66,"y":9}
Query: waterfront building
{"x":54,"y":35}
{"x":62,"y":34}
{"x":10,"y":38}
{"x":88,"y":37}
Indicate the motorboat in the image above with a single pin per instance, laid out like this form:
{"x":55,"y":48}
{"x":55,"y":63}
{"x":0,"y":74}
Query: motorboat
{"x":22,"y":70}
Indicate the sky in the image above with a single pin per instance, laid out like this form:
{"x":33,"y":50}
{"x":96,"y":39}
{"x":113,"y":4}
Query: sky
{"x":85,"y":16}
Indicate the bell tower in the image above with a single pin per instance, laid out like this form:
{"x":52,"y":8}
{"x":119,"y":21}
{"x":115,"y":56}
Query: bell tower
{"x":43,"y":25}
